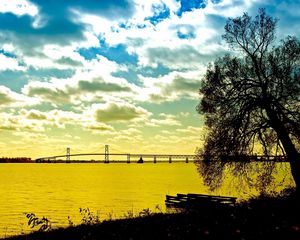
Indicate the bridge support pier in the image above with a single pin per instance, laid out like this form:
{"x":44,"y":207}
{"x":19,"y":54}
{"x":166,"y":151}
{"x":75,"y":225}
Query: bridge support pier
{"x":154,"y":159}
{"x":128,"y":158}
{"x":68,"y":158}
{"x":187,"y":160}
{"x":106,"y":154}
{"x":170,"y":159}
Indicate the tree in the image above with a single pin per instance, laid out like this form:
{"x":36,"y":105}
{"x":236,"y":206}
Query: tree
{"x":253,"y":97}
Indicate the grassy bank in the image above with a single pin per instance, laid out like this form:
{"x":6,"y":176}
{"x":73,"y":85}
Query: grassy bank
{"x":263,"y":218}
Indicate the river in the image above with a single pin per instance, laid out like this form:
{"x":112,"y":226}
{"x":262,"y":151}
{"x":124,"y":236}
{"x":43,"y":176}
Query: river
{"x":57,"y":191}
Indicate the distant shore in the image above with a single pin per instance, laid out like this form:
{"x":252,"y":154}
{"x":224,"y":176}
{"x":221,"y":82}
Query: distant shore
{"x":16,"y":160}
{"x":263,"y":218}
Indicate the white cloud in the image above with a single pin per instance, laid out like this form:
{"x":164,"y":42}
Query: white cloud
{"x":165,"y":119}
{"x":91,"y":83}
{"x":99,"y":128}
{"x":18,"y":7}
{"x":10,"y":63}
{"x":160,"y":44}
{"x":41,"y":121}
{"x":9,"y":98}
{"x":14,"y":122}
{"x":172,"y":86}
{"x":119,"y":111}
{"x":190,"y":130}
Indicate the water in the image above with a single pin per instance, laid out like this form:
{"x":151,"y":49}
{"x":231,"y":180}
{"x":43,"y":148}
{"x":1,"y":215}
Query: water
{"x":57,"y":191}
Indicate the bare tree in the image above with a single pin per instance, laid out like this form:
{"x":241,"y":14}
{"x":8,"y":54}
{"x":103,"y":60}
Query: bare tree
{"x":253,"y":97}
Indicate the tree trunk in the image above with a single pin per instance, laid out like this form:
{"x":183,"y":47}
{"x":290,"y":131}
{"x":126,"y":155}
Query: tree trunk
{"x":290,"y":150}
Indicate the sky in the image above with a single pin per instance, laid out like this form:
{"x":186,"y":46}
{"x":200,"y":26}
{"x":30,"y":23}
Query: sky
{"x":126,"y":73}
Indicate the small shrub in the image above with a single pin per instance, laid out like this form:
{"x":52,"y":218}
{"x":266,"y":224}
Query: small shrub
{"x":145,"y":212}
{"x":88,"y":217}
{"x":129,"y":214}
{"x":43,"y":223}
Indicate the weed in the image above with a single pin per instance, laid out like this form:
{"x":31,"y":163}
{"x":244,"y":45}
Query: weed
{"x":145,"y":212}
{"x":43,"y":223}
{"x":110,"y":216}
{"x":158,"y":209}
{"x":88,"y":217}
{"x":129,"y":214}
{"x":70,"y":222}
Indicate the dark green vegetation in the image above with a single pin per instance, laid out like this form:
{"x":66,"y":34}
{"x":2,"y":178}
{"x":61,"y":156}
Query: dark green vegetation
{"x":263,"y":218}
{"x":250,"y":99}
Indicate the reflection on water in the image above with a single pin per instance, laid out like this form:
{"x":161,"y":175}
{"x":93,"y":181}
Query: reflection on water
{"x":59,"y":190}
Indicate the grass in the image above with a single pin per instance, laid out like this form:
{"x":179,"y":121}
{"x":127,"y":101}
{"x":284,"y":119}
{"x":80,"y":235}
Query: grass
{"x":262,"y":218}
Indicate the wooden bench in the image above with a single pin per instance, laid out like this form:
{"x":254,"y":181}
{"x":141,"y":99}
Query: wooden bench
{"x":193,"y":200}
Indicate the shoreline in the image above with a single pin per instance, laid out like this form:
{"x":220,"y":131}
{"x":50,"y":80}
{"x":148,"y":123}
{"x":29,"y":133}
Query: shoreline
{"x":263,"y":218}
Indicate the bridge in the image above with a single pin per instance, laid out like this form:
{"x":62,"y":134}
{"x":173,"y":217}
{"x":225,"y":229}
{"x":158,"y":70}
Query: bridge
{"x":125,"y":158}
{"x":107,"y":157}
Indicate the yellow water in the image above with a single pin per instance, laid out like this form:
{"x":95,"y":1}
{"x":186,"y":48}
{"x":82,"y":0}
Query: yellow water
{"x":57,"y":191}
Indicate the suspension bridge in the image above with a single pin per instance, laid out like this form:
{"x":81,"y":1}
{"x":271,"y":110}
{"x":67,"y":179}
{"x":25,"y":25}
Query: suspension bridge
{"x":107,"y":157}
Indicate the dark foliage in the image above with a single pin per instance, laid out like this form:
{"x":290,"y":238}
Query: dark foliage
{"x":251,"y":99}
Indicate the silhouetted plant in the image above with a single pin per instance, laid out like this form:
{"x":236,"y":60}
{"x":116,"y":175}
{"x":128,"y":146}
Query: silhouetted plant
{"x":110,"y":216}
{"x":145,"y":212}
{"x":129,"y":214}
{"x":88,"y":217}
{"x":43,"y":223}
{"x":70,"y":222}
{"x":158,"y":209}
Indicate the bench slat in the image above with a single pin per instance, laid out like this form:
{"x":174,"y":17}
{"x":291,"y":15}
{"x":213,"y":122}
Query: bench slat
{"x":197,"y":200}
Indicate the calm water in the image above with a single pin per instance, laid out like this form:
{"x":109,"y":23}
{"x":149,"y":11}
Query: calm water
{"x":59,"y":190}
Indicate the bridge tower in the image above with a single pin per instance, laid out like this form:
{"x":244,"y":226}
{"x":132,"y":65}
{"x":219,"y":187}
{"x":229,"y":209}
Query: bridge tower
{"x":128,"y":158}
{"x":68,"y":158}
{"x":106,"y":154}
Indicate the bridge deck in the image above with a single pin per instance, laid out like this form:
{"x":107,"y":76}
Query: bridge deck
{"x":158,"y":157}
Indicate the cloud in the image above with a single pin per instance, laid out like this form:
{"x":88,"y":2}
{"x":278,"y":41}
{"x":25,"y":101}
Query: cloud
{"x":98,"y":127}
{"x":183,"y":84}
{"x":20,"y":30}
{"x":160,"y":12}
{"x":113,"y":9}
{"x":69,"y":62}
{"x":5,"y":96}
{"x":12,"y":122}
{"x":9,"y":98}
{"x":10,"y":63}
{"x":191,"y":130}
{"x":99,"y":85}
{"x":88,"y":84}
{"x":36,"y":115}
{"x":182,"y":57}
{"x":177,"y":41}
{"x":58,"y":119}
{"x":173,"y":86}
{"x":112,"y":112}
{"x":112,"y":68}
{"x":75,"y":91}
{"x":18,"y":7}
{"x":165,"y":119}
{"x":47,"y":92}
{"x":53,"y":118}
{"x":31,"y":25}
